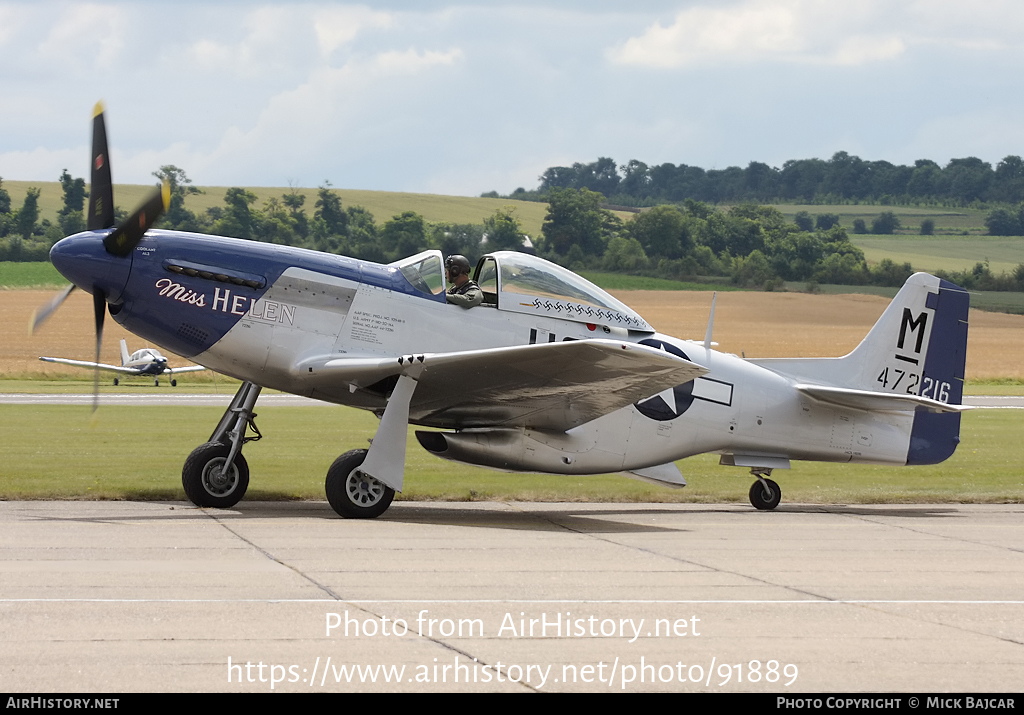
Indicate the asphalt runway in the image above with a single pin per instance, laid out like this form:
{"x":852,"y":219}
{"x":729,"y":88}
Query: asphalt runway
{"x":442,"y":597}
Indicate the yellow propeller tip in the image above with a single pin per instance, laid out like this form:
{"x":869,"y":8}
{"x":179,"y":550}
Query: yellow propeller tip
{"x":165,"y":191}
{"x":98,"y":109}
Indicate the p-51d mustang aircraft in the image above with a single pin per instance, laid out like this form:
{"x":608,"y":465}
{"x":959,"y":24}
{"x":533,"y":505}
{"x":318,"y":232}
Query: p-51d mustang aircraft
{"x":149,"y":362}
{"x":550,"y":374}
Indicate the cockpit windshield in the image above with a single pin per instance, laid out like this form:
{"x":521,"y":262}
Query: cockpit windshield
{"x":548,"y":280}
{"x":529,"y":284}
{"x":424,"y":271}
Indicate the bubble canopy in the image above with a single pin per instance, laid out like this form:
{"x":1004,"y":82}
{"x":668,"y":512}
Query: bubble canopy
{"x":523,"y":283}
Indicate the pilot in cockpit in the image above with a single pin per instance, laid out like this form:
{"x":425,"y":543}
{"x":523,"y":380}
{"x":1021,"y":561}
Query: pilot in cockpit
{"x":463,"y":291}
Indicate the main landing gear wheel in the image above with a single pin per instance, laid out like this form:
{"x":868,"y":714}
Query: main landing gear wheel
{"x":207,"y":483}
{"x":765,"y":498}
{"x":353,"y":494}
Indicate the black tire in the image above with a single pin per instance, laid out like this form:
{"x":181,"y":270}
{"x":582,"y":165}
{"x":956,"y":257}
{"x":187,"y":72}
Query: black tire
{"x":116,"y":381}
{"x":156,"y":382}
{"x":355,"y":495}
{"x":762,"y":499}
{"x":203,"y":483}
{"x":174,"y":383}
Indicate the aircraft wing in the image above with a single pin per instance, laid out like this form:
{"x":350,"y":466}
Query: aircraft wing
{"x":876,"y":401}
{"x":554,"y":386}
{"x":190,"y":368}
{"x":100,"y":365}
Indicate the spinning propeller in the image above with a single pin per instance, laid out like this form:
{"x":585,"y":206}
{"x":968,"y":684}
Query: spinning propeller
{"x":100,"y":269}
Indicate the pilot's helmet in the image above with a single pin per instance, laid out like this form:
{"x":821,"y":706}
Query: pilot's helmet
{"x":456,"y":265}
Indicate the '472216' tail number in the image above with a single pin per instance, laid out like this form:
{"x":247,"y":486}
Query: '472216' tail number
{"x":929,"y":388}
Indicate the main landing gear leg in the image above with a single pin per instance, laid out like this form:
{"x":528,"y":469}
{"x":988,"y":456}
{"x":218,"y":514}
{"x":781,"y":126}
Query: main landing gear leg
{"x":764,"y":493}
{"x":216,"y":474}
{"x":361,"y":483}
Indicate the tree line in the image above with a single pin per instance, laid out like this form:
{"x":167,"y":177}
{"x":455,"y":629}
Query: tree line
{"x":285,"y":220}
{"x":750,"y":244}
{"x":844,"y":178}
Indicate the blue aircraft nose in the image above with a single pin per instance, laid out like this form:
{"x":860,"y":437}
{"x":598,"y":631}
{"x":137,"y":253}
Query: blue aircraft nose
{"x":84,"y":261}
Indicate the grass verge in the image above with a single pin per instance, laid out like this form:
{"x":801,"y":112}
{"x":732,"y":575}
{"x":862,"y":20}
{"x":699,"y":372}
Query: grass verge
{"x":57,"y":452}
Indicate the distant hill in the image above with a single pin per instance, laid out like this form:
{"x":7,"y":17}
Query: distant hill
{"x":382,"y":204}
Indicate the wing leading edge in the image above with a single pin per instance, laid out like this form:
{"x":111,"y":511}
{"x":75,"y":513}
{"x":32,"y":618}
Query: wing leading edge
{"x":100,"y":365}
{"x":553,"y":386}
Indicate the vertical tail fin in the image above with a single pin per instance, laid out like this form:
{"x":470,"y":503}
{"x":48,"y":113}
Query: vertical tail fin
{"x":919,"y":344}
{"x":124,"y":352}
{"x":919,"y":347}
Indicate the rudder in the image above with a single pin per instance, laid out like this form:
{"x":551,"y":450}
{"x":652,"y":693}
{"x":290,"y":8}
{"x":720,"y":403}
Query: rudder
{"x":935,"y":436}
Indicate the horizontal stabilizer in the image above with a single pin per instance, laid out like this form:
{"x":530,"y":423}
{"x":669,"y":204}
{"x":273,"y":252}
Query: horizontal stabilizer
{"x":876,"y":401}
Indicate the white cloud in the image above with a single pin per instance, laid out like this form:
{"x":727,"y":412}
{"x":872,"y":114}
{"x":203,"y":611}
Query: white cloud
{"x":338,"y":26}
{"x":783,"y":30}
{"x":861,"y":50}
{"x":273,"y":38}
{"x":42,"y":164}
{"x":337,"y":117}
{"x":86,"y":36}
{"x":411,"y":61}
{"x":12,"y":20}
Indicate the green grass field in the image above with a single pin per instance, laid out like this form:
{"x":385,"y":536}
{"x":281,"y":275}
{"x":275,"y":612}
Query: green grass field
{"x":29,"y":275}
{"x":137,"y":453}
{"x":947,"y":220}
{"x":948,"y":253}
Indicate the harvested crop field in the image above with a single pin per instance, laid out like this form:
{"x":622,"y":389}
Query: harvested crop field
{"x":751,"y":323}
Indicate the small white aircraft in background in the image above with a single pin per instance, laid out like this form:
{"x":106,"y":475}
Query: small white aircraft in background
{"x":148,"y":362}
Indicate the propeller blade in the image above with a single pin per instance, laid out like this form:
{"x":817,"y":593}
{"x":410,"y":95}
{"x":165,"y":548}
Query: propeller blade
{"x":99,"y":305}
{"x":101,"y":188}
{"x":43,"y":314}
{"x":126,"y":237}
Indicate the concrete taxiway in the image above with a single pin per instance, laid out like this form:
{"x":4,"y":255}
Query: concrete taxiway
{"x":441,"y":597}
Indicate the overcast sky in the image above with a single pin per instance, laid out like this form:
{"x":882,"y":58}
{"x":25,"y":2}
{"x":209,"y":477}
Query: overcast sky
{"x":461,"y":98}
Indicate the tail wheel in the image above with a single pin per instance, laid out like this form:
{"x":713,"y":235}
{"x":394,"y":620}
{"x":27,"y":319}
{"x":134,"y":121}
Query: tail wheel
{"x":765,"y":496}
{"x":354,"y":494}
{"x":206,"y":481}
